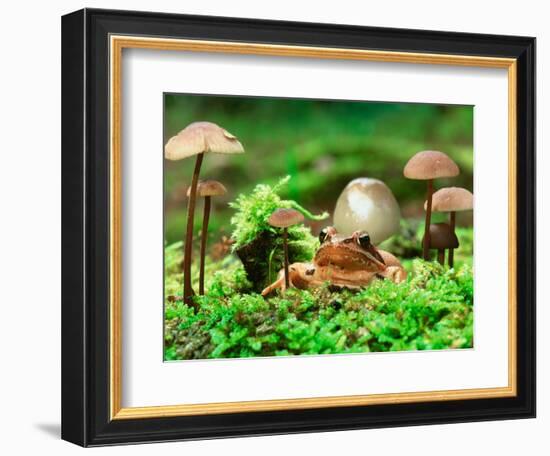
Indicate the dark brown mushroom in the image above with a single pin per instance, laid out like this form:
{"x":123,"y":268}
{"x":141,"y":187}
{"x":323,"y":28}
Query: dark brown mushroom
{"x":452,"y":199}
{"x":442,"y":237}
{"x":283,"y":218}
{"x":429,"y":165}
{"x":197,"y":139}
{"x":206,"y":189}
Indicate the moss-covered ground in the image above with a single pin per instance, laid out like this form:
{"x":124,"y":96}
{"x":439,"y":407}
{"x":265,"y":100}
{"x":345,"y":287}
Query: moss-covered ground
{"x":432,"y":309}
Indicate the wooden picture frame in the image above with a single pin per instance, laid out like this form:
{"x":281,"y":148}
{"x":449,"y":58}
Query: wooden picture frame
{"x":92,"y":44}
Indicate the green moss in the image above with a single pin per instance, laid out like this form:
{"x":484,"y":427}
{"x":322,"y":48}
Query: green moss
{"x":253,"y":211}
{"x":432,"y":309}
{"x":223,"y":277}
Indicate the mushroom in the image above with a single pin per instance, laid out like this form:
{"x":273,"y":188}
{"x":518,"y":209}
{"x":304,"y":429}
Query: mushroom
{"x":283,"y":218}
{"x":442,"y":237}
{"x":452,"y":199}
{"x":206,"y":189}
{"x":429,"y":165}
{"x":367,"y":204}
{"x":197,"y":139}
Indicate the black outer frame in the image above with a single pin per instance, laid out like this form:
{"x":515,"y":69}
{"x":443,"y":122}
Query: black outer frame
{"x":85,"y":227}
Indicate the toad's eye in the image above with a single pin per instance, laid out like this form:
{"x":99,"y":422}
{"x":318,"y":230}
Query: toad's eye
{"x":364,"y":240}
{"x":323,"y":235}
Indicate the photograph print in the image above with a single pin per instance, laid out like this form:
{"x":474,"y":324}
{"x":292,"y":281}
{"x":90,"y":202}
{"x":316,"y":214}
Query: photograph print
{"x":316,"y":227}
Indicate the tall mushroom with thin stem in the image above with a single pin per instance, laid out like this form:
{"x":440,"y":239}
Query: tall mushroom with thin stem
{"x":452,"y":200}
{"x":283,"y":218}
{"x":429,"y":165}
{"x":206,"y":189}
{"x":197,"y":139}
{"x":442,"y":238}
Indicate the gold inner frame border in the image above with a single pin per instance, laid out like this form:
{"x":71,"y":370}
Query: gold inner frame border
{"x":116,"y":46}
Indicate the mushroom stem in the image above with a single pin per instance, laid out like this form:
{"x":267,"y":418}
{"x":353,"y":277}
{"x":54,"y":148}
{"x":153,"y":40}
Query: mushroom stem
{"x":452,"y":222}
{"x":204,"y":235}
{"x":441,"y":256}
{"x":426,"y":246}
{"x":187,"y":287}
{"x":285,"y":247}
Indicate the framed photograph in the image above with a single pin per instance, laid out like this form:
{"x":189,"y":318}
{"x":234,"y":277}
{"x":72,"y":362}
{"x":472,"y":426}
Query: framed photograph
{"x":277,"y":227}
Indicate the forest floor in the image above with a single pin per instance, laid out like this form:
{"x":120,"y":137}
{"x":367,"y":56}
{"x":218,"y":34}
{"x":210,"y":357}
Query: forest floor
{"x":431,"y":310}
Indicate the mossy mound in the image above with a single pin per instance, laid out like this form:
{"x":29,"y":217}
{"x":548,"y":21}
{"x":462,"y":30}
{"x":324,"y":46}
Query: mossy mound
{"x":258,"y":245}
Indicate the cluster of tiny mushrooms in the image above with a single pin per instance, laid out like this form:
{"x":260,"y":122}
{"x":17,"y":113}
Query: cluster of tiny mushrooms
{"x":429,"y":165}
{"x":199,"y":138}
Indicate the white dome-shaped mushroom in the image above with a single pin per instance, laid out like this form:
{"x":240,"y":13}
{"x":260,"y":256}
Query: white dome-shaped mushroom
{"x":367,"y":204}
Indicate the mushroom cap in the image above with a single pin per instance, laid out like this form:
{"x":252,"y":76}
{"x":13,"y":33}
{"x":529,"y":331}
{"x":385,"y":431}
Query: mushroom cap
{"x":369,"y":205}
{"x":200,"y":137}
{"x":209,"y":188}
{"x":451,"y":199}
{"x":283,"y":218}
{"x":430,"y":164}
{"x":442,"y":237}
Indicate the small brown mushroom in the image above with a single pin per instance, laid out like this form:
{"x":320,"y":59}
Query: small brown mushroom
{"x":197,"y":139}
{"x":206,"y":189}
{"x":283,"y":218}
{"x":441,"y":238}
{"x":429,"y":165}
{"x":452,"y":199}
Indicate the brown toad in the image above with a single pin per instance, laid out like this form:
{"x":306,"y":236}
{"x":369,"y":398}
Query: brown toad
{"x":350,"y":262}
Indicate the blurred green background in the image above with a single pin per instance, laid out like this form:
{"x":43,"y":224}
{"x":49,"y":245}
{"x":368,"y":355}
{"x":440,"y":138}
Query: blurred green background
{"x":321,"y":144}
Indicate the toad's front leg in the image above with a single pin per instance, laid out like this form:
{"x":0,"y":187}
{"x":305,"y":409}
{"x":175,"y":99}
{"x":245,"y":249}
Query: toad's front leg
{"x":393,"y":271}
{"x":300,"y":275}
